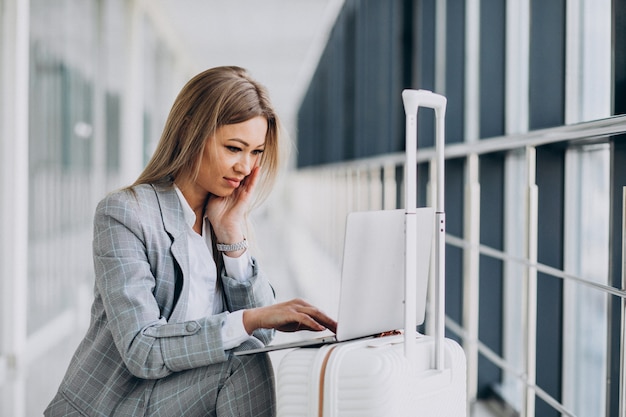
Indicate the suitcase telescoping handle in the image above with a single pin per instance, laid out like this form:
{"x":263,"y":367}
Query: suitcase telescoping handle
{"x":413,"y":100}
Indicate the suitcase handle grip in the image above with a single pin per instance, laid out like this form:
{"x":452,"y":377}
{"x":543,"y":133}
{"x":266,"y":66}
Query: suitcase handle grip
{"x":412,"y":100}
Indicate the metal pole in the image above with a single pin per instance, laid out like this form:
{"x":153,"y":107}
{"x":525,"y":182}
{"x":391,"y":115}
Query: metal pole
{"x":410,"y":203}
{"x":440,"y":233}
{"x":530,"y":288}
{"x":413,"y":99}
{"x":471,"y":260}
{"x":14,"y":183}
{"x":622,"y":386}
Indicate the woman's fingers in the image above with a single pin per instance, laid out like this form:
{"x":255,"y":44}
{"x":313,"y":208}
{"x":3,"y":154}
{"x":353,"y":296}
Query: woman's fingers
{"x":228,"y":213}
{"x":327,"y":322}
{"x":316,"y":317}
{"x":241,"y":196}
{"x":251,"y":180}
{"x":289,"y":316}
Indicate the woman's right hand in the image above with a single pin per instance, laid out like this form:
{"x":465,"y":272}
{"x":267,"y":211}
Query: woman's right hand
{"x":289,"y":316}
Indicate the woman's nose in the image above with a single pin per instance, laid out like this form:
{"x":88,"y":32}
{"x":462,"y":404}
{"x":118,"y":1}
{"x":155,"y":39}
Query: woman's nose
{"x":244,"y":165}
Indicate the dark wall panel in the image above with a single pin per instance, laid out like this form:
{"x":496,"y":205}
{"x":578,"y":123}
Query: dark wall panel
{"x":492,"y":59}
{"x":455,"y":70}
{"x":491,"y":270}
{"x":550,"y":183}
{"x":353,"y":106}
{"x":424,"y":67}
{"x":618,"y":182}
{"x":454,"y":184}
{"x":619,"y":56}
{"x":547,"y":64}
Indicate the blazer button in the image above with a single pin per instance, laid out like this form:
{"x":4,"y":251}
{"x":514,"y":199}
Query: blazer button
{"x":192,"y":327}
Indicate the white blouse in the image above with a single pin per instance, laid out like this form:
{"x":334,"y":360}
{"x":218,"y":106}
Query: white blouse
{"x":205,"y":297}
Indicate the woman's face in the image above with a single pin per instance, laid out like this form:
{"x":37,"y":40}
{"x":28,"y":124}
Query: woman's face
{"x":230,"y":154}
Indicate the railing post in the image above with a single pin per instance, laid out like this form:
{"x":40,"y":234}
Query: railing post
{"x":389,"y":187}
{"x":471,"y":259}
{"x":530,"y":286}
{"x":622,"y":383}
{"x":375,"y":188}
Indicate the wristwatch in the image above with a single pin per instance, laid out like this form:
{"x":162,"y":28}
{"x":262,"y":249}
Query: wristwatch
{"x":222,"y":247}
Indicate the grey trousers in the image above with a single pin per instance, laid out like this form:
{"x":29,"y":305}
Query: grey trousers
{"x":243,"y":386}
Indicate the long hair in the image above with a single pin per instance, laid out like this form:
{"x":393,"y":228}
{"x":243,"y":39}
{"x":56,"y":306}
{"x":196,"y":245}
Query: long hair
{"x":214,"y":98}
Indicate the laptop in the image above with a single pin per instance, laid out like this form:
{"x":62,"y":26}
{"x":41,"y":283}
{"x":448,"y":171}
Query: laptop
{"x":371,"y":298}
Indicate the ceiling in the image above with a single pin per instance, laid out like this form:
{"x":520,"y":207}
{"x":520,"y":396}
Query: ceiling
{"x":278,"y":41}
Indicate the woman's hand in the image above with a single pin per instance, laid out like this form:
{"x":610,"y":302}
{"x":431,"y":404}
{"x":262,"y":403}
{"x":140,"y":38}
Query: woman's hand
{"x":289,"y":316}
{"x":227,"y":214}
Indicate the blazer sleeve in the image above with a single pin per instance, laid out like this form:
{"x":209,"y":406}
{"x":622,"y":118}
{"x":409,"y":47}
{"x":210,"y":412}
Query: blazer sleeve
{"x":254,"y":292}
{"x":126,"y":278}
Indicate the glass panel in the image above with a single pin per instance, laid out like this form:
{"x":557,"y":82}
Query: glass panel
{"x":60,"y":144}
{"x":62,"y":97}
{"x":587,"y":256}
{"x":157,"y":89}
{"x":596,"y":60}
{"x":546,"y":93}
{"x":114,"y":38}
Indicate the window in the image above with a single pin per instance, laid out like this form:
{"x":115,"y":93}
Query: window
{"x":586,"y":256}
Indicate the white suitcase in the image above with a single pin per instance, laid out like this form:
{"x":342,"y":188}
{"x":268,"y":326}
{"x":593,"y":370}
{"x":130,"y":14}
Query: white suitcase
{"x":395,"y":376}
{"x":372,"y":378}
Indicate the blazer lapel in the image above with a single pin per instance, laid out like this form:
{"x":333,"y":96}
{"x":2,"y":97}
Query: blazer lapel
{"x":175,"y":226}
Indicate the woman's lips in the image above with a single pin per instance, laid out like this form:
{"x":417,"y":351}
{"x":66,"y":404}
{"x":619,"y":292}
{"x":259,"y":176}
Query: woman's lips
{"x":233,"y":182}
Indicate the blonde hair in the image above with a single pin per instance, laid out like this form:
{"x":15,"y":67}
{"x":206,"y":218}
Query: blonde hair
{"x":214,"y":98}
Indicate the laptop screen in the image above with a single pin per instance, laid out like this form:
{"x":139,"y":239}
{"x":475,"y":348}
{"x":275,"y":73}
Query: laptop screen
{"x":372,"y":278}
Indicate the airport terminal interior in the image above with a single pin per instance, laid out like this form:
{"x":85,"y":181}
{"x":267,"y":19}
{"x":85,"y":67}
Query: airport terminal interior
{"x":535,"y":169}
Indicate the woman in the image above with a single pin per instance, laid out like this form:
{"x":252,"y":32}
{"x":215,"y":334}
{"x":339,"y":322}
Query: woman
{"x":176,"y":289}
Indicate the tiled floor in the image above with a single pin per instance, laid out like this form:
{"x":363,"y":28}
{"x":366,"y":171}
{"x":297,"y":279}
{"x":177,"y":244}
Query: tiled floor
{"x":482,"y":409}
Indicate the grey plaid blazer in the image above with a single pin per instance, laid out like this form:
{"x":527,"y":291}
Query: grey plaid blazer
{"x":137,"y":332}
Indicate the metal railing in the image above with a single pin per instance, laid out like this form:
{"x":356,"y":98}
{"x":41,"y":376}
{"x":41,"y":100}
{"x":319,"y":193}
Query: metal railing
{"x":335,"y":189}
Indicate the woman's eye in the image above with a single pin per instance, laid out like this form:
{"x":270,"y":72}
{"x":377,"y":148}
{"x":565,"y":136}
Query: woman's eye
{"x":257,"y":151}
{"x":233,"y":148}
